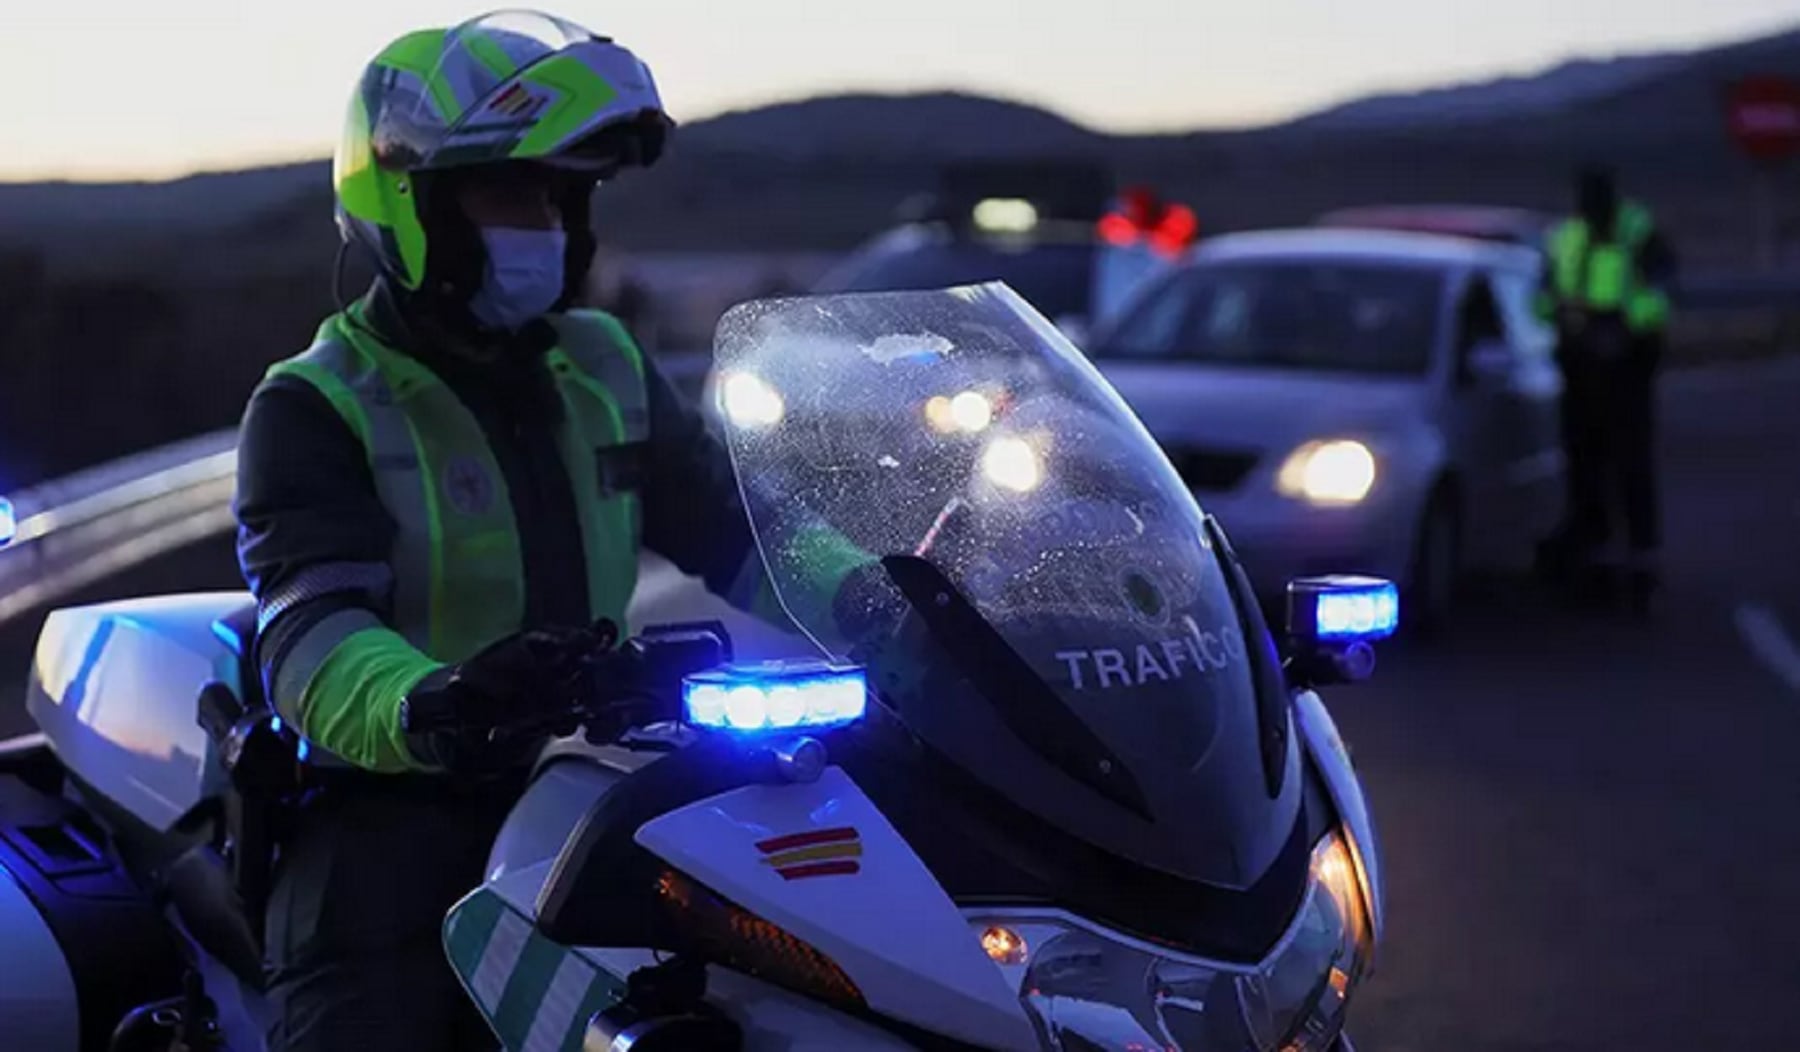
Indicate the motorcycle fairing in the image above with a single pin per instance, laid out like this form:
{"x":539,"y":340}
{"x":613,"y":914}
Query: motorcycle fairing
{"x":822,"y":862}
{"x":1320,"y":733}
{"x":537,"y":995}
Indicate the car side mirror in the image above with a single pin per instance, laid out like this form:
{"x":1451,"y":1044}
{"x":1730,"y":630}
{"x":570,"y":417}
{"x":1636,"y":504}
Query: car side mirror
{"x":1487,"y":362}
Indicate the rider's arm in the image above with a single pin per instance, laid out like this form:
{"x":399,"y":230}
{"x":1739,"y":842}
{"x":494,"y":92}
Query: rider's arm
{"x":694,"y":516}
{"x":313,"y":544}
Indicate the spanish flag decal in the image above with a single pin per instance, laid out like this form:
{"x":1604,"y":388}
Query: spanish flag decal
{"x":820,"y":853}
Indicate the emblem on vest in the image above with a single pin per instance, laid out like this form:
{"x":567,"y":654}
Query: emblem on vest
{"x":468,"y":486}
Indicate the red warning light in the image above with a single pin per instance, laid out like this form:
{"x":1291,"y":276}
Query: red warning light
{"x":1176,"y":230}
{"x":1141,"y":216}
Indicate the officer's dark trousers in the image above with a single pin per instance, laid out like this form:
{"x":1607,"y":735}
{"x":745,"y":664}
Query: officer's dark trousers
{"x":355,"y":952}
{"x":1609,"y":429}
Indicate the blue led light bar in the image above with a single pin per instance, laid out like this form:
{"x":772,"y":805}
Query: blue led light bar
{"x":1369,"y":612}
{"x":1343,"y":609}
{"x":9,"y":523}
{"x":775,"y":696}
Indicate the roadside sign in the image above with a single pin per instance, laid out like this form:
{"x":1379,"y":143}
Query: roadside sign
{"x":1764,"y":116}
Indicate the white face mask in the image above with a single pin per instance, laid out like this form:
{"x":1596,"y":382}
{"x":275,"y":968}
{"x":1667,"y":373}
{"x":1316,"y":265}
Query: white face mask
{"x":523,"y":278}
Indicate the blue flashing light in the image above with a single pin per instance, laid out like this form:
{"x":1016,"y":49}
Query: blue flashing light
{"x":1359,"y":611}
{"x":9,"y":522}
{"x":275,"y":724}
{"x":775,"y":696}
{"x":304,"y":751}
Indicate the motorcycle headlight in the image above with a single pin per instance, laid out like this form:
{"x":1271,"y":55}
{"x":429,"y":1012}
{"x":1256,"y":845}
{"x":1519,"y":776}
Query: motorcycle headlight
{"x":1086,"y":986}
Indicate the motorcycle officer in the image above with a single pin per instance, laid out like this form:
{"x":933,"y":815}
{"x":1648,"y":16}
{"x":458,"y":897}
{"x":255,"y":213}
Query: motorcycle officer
{"x":443,"y":491}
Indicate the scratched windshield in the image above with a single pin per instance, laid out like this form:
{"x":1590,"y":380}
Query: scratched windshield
{"x":958,"y":428}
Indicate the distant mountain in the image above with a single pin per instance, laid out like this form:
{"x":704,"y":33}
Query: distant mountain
{"x":937,"y":125}
{"x":920,"y":129}
{"x":1513,"y":96}
{"x":823,"y":173}
{"x":209,"y":201}
{"x":1561,"y":89}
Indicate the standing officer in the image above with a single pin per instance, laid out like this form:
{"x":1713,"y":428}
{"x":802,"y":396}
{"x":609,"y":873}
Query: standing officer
{"x":1606,"y":289}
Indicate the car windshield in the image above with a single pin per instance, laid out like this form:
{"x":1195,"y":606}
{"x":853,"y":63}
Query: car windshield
{"x":1334,"y":315}
{"x":1093,"y":662}
{"x":1055,"y":277}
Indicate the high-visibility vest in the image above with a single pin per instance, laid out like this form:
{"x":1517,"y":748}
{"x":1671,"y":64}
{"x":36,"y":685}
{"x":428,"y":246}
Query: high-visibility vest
{"x":1602,"y":276}
{"x":457,"y":572}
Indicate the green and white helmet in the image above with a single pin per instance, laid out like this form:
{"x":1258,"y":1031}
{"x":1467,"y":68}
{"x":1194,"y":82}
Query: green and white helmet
{"x":506,"y":86}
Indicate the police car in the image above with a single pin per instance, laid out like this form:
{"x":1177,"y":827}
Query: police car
{"x":1377,"y":401}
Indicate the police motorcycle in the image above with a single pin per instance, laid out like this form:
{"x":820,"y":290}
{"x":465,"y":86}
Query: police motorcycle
{"x":1049,"y":782}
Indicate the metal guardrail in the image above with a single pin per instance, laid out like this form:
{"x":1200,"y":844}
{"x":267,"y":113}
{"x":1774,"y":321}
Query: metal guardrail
{"x":79,"y":529}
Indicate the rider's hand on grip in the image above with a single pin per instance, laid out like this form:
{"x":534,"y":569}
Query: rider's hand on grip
{"x":494,"y":709}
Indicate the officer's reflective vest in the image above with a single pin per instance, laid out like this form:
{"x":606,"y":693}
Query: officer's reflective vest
{"x":1602,"y":276}
{"x":457,"y":574}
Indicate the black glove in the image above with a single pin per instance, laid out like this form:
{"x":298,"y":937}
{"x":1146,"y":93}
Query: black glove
{"x":494,"y":710}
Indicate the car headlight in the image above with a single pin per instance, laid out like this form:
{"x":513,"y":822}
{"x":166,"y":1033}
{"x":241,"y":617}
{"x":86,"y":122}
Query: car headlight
{"x":1337,"y":471}
{"x":968,"y":411}
{"x":1013,"y":463}
{"x":1087,"y":986}
{"x":749,"y":401}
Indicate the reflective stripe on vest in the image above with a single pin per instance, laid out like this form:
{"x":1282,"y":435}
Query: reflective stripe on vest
{"x":600,"y":377}
{"x":458,"y":572}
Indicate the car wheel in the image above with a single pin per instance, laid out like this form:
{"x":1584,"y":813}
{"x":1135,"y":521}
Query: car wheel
{"x":1436,"y":567}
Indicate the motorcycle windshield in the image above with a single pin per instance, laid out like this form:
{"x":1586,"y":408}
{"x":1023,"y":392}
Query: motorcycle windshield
{"x":940,"y":478}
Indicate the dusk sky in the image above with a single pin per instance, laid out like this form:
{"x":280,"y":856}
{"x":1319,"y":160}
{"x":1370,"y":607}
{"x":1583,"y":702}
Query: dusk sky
{"x":127,"y":88}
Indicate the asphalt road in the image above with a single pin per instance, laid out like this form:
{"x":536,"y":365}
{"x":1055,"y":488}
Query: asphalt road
{"x":1591,"y":825}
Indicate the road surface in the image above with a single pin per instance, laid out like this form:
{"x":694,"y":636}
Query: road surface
{"x":1591,"y":826}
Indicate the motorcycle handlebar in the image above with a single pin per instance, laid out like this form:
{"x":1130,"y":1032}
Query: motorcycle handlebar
{"x":613,"y":690}
{"x":427,"y":713}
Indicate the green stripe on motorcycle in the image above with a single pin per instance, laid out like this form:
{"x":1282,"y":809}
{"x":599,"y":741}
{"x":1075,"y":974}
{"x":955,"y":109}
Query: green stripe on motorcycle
{"x":602,"y":993}
{"x":468,"y":930}
{"x":525,"y":989}
{"x":576,"y":992}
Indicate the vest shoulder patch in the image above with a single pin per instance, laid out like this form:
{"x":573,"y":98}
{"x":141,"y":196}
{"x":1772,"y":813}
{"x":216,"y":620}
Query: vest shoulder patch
{"x":467,"y":485}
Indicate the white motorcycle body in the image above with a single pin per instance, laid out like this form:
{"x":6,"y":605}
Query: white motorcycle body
{"x":113,"y":688}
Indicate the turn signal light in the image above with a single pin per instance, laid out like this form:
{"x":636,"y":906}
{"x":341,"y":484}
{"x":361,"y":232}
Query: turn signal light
{"x":1004,"y":946}
{"x":729,"y":935}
